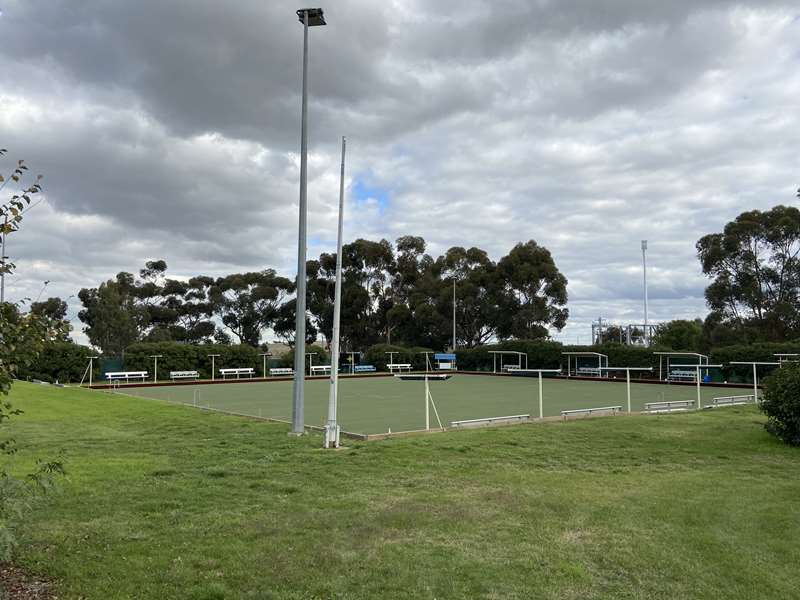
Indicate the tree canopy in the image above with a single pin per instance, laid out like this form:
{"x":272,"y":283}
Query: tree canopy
{"x":390,"y":294}
{"x":755,"y":274}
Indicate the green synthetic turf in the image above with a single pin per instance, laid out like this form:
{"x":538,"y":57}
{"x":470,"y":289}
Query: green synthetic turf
{"x":165,"y":502}
{"x":378,"y":404}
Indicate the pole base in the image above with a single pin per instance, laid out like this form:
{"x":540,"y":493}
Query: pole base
{"x":331,"y":436}
{"x":296,"y":433}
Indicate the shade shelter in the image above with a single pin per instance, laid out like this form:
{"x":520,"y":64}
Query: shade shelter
{"x":507,"y":366}
{"x":585,"y":363}
{"x":668,"y":357}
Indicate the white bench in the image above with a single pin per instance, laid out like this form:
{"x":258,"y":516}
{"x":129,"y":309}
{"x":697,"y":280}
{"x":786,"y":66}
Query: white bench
{"x":489,"y":421}
{"x":511,"y":368}
{"x":281,"y":371}
{"x":682,"y":375}
{"x":398,"y":366}
{"x":731,"y":401}
{"x":589,"y":371}
{"x":321,"y":370}
{"x":661,"y":407}
{"x":590,"y":411}
{"x":249,"y":371}
{"x":184,"y":375}
{"x":126,"y":375}
{"x":364,"y":369}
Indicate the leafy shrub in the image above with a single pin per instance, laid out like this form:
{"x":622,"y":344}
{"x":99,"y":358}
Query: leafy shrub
{"x":60,"y":361}
{"x":781,"y":403}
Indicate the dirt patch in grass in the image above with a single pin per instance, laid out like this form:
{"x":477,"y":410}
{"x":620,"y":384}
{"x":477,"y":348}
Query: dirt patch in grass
{"x":18,"y":584}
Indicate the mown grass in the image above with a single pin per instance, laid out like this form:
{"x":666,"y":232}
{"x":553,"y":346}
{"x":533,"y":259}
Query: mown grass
{"x":164,"y":501}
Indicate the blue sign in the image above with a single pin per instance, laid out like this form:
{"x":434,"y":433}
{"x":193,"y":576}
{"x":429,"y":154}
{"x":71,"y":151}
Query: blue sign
{"x":444,"y":356}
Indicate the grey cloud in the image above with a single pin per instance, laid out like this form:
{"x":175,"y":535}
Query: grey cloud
{"x":170,"y":130}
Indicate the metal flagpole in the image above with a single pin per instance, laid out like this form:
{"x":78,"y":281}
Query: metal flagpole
{"x":331,"y":438}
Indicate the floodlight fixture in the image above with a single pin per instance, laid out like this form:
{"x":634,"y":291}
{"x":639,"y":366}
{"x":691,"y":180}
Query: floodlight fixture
{"x":315,"y":16}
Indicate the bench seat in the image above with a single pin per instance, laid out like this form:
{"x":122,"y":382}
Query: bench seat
{"x":249,"y":371}
{"x":184,"y":375}
{"x":126,"y":375}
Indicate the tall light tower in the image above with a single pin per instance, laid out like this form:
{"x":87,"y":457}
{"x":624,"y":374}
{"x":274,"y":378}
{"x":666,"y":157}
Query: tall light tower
{"x":309,"y":17}
{"x":644,"y":272}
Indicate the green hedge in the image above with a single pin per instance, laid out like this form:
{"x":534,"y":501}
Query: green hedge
{"x":762,"y":352}
{"x":64,"y":362}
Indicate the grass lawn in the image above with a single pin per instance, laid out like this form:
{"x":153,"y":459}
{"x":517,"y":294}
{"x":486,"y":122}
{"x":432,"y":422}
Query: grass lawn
{"x":163,"y":501}
{"x":377,"y":404}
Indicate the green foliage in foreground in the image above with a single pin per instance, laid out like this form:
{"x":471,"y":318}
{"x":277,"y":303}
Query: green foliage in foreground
{"x":782,"y":403}
{"x":170,"y":502}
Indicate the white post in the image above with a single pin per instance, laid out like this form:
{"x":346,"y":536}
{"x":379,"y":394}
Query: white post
{"x":155,"y":358}
{"x":628,"y":382}
{"x":699,"y":403}
{"x":755,"y":384}
{"x":91,"y":362}
{"x":427,"y":404}
{"x":331,"y":438}
{"x":541,"y":402}
{"x":213,"y":363}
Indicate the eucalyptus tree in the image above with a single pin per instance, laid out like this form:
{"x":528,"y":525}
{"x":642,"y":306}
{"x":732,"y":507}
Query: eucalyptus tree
{"x":248,"y":303}
{"x":755,"y":271}
{"x":533,"y":293}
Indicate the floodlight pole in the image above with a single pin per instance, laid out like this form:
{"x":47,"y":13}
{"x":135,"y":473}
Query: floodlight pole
{"x":331,"y":437}
{"x":155,"y":358}
{"x":298,"y":420}
{"x":212,"y":357}
{"x":644,"y":273}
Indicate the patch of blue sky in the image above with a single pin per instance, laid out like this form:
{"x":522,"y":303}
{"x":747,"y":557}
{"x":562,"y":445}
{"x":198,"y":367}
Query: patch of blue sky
{"x":363,"y":193}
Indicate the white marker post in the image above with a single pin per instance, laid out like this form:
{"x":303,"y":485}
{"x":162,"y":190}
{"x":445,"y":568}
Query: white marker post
{"x":539,"y":373}
{"x":698,"y":368}
{"x":755,"y":373}
{"x":627,"y":378}
{"x":155,"y":358}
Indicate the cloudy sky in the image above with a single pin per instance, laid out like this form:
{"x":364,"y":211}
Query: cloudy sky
{"x":170,"y":129}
